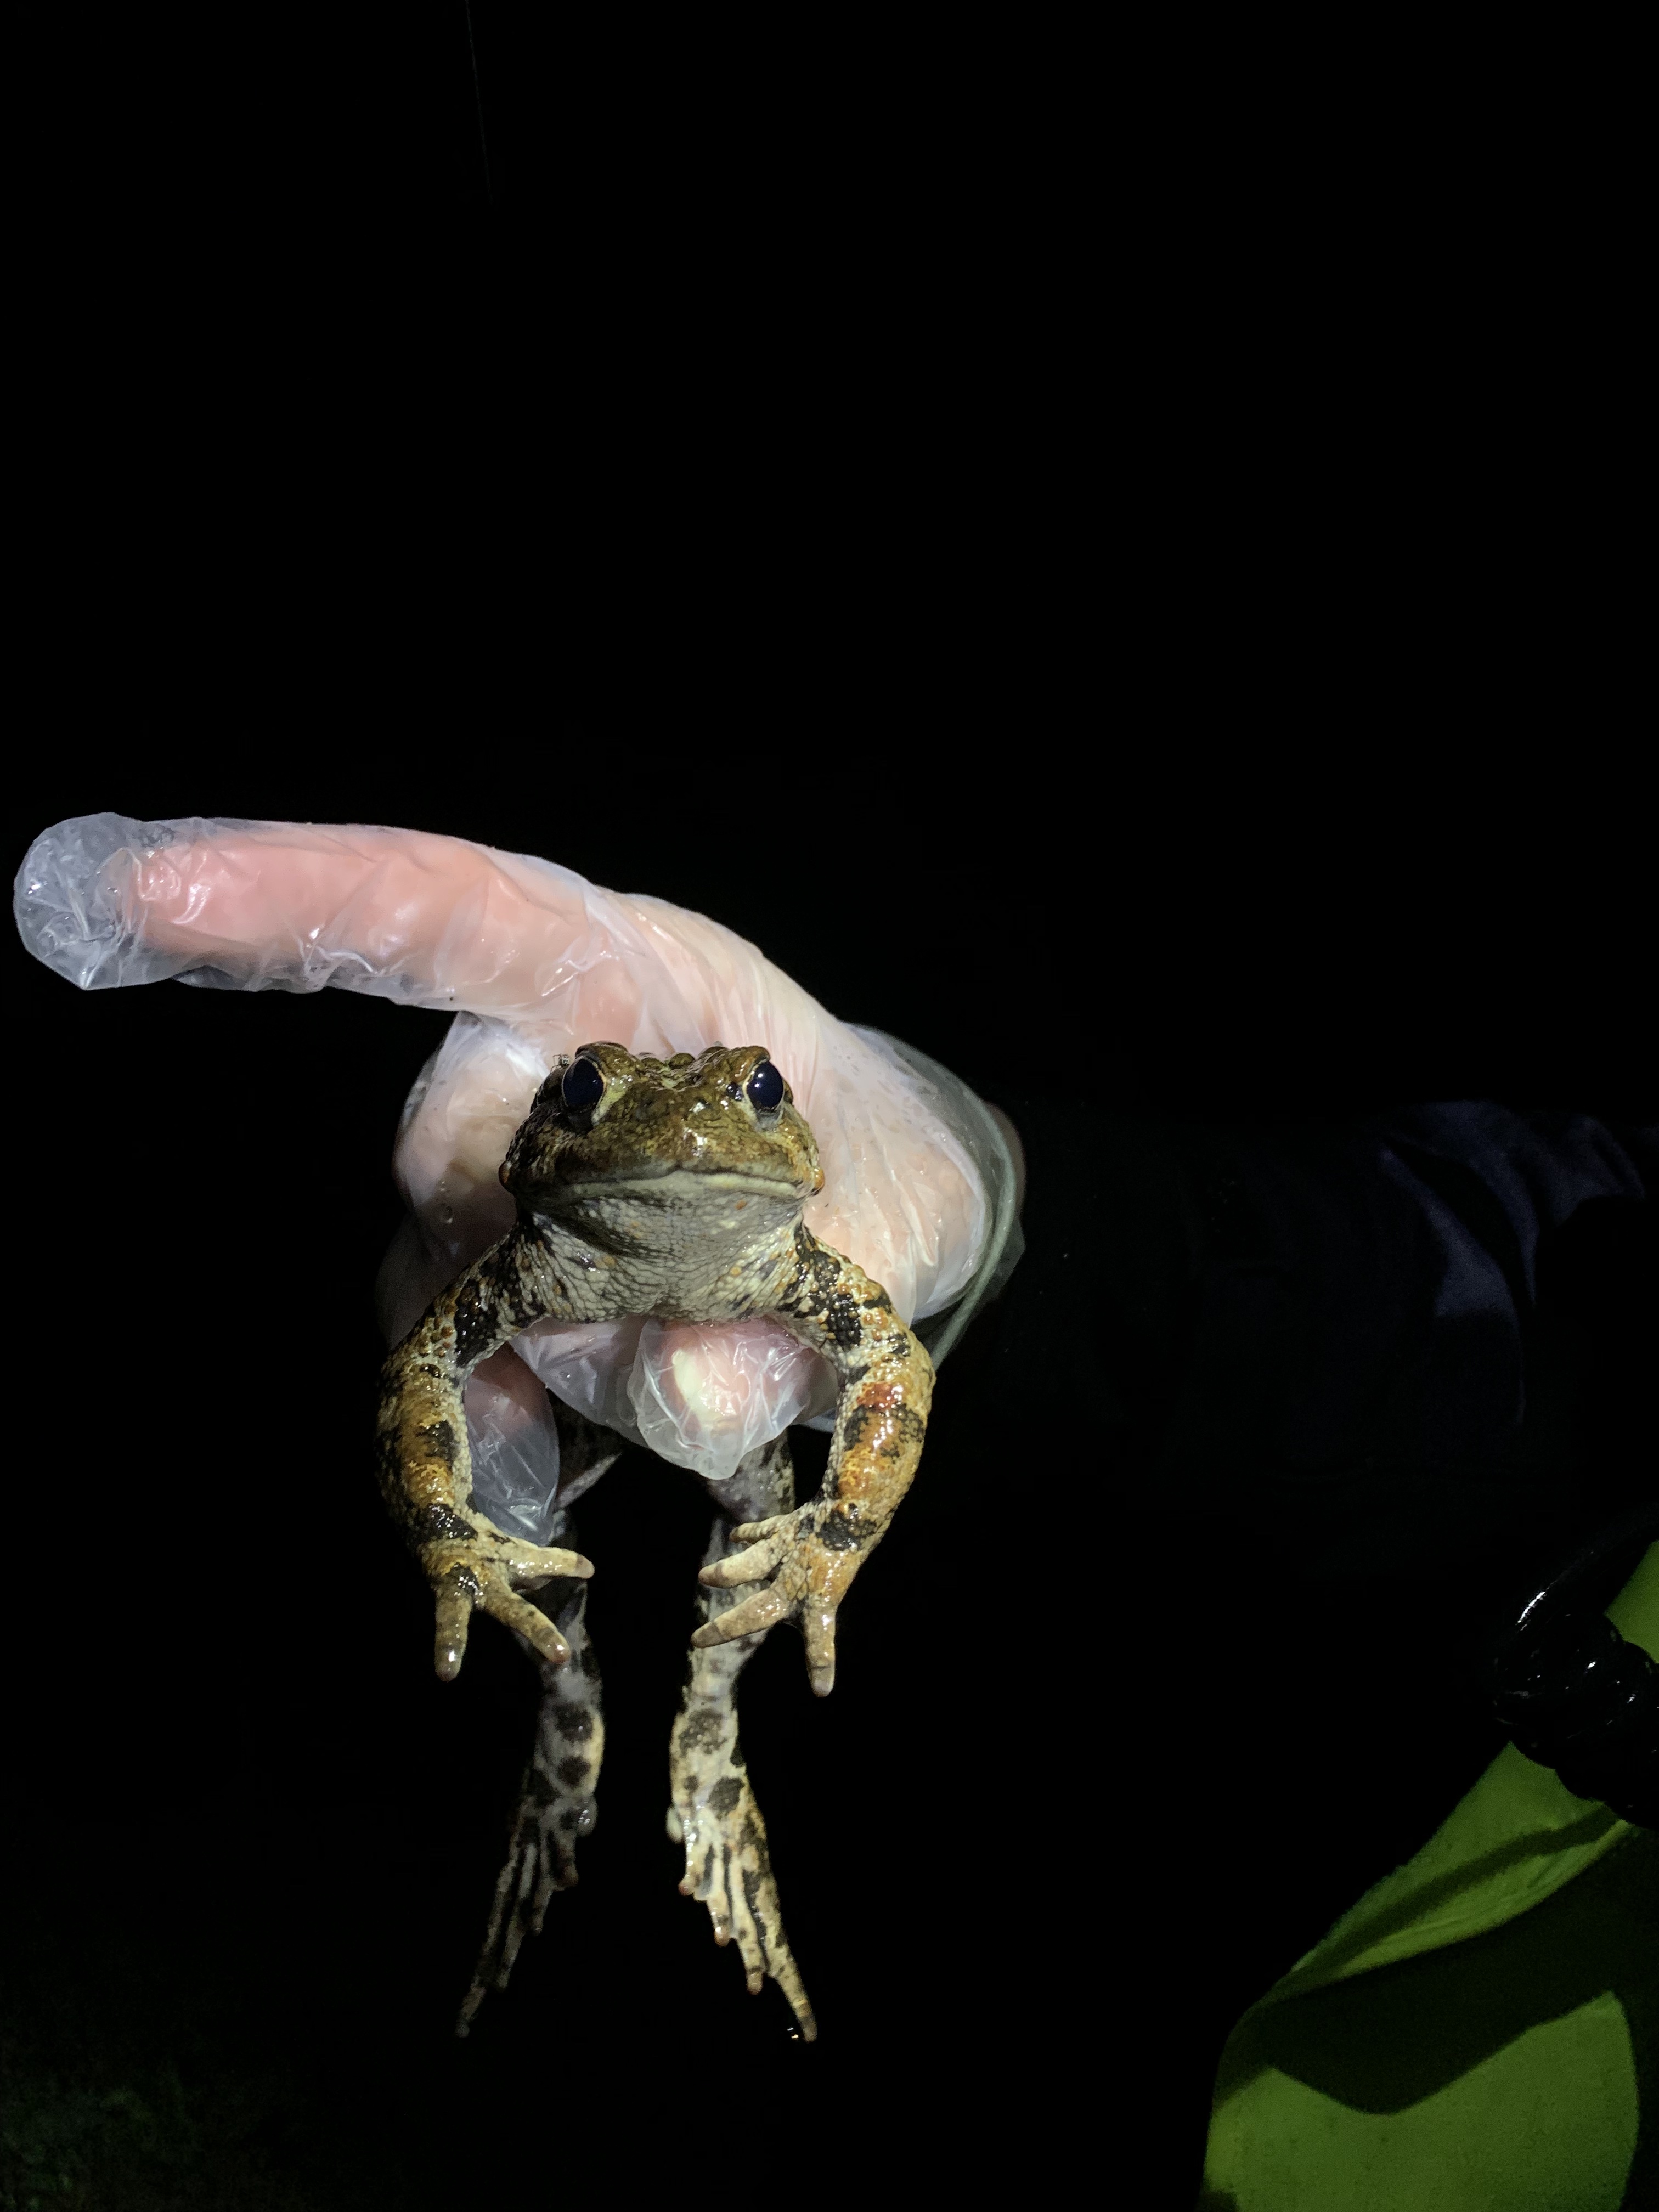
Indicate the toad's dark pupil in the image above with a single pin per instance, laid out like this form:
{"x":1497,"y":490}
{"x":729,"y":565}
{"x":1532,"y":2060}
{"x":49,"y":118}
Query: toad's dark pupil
{"x":766,"y":1089}
{"x":582,"y":1086}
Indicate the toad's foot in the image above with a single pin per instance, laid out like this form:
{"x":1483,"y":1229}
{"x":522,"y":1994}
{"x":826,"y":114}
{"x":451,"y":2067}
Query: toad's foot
{"x":728,"y":1866}
{"x":556,"y":1805}
{"x":807,"y":1558}
{"x":469,"y":1561}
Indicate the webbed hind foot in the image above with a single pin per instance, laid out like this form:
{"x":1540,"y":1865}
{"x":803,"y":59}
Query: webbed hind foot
{"x":556,"y":1807}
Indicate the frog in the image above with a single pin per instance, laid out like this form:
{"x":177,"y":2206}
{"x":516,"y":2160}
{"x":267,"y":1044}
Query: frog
{"x":673,"y":1188}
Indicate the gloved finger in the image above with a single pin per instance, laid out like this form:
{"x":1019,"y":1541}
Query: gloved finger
{"x":705,"y":1396}
{"x":428,"y":919}
{"x":702,"y":1397}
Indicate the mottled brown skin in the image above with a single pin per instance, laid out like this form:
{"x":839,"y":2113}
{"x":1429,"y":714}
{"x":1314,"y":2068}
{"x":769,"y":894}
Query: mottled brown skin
{"x":673,"y":1197}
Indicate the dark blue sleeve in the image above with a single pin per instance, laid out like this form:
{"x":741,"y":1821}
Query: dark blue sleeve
{"x":1367,"y":1385}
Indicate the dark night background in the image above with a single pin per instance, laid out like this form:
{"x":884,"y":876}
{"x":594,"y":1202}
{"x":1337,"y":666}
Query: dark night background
{"x":1131,"y":664}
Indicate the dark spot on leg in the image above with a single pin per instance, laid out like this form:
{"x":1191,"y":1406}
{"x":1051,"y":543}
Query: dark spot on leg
{"x":572,"y":1770}
{"x":572,"y":1722}
{"x":751,"y":1886}
{"x":723,"y":1797}
{"x":703,"y":1731}
{"x":754,"y":1838}
{"x":437,"y":1523}
{"x":908,"y":1430}
{"x":438,"y":1438}
{"x":841,"y":1320}
{"x":839,"y":1531}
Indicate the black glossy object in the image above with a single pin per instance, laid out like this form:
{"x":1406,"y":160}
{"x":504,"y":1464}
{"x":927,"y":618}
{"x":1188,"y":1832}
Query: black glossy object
{"x":582,"y":1086}
{"x":1576,"y":1696}
{"x":766,"y":1089}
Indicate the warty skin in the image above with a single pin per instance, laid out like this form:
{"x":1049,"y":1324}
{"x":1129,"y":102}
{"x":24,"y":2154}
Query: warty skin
{"x":673,"y":1194}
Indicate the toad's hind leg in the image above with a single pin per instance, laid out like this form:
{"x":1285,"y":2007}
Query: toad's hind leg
{"x":713,"y":1810}
{"x":556,"y":1795}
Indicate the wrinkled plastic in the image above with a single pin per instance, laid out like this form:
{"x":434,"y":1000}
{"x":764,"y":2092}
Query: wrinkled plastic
{"x":515,"y":1457}
{"x":699,"y":1396}
{"x":1002,"y":1242}
{"x":438,"y":922}
{"x":535,"y":960}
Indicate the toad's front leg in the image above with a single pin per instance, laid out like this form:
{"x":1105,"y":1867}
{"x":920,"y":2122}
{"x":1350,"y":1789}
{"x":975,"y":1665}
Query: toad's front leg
{"x":808,"y":1558}
{"x":425,"y":1468}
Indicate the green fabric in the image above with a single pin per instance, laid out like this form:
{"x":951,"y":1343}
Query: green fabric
{"x":1475,"y":2035}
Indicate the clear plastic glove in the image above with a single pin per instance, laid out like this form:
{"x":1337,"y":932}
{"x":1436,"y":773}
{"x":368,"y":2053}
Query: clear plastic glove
{"x":534,"y":960}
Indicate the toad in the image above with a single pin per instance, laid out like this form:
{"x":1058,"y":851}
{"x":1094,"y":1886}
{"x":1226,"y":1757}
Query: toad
{"x":673,"y":1189}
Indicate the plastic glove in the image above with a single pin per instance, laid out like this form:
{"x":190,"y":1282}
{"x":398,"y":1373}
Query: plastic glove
{"x":535,"y":962}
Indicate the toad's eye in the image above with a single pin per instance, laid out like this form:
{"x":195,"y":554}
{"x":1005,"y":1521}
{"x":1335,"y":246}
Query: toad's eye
{"x":765,"y":1089}
{"x":582,"y":1085}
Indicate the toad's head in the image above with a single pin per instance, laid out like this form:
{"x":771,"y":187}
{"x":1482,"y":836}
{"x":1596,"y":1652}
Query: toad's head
{"x":614,"y":1135}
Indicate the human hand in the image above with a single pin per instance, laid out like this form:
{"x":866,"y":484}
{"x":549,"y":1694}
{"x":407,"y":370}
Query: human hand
{"x":536,"y":961}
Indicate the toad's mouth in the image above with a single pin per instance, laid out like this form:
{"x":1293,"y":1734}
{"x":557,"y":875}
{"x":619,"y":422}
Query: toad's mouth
{"x":666,"y":1180}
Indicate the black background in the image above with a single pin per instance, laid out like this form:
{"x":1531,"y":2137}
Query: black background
{"x":1092,"y":615}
